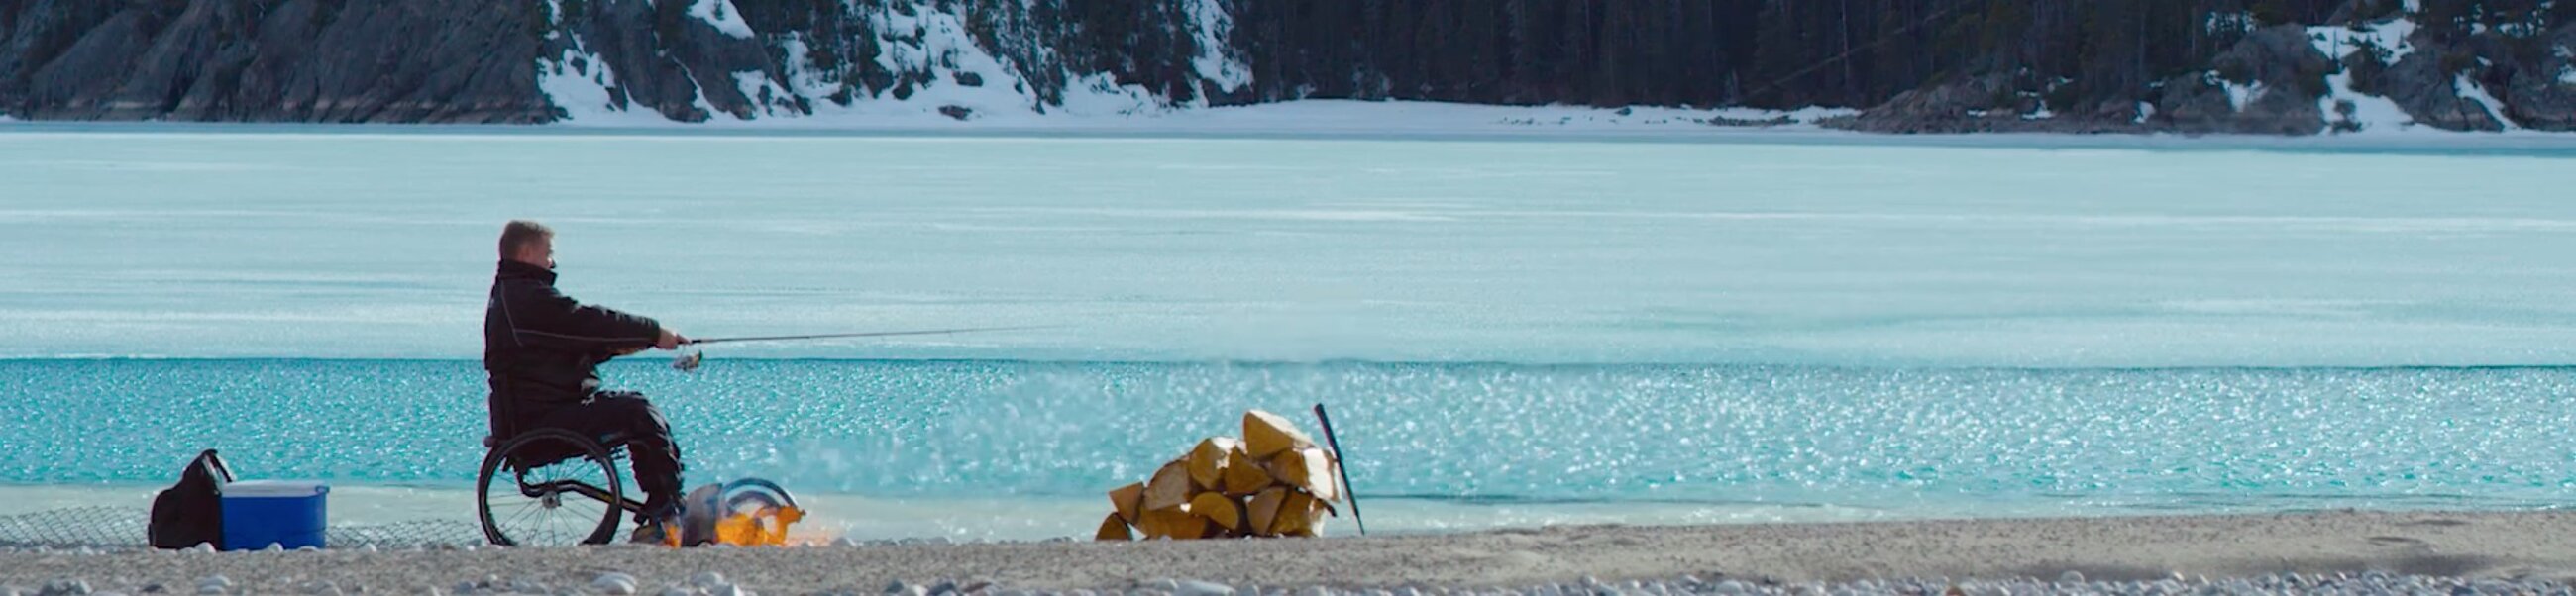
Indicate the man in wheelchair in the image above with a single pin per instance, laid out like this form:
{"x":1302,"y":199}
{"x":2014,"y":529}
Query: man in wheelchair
{"x":542,"y":350}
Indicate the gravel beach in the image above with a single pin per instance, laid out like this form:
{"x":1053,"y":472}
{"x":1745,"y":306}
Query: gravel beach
{"x":2344,"y":552}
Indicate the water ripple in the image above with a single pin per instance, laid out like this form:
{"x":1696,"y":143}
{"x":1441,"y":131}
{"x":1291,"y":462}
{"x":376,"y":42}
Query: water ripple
{"x":2182,"y":439}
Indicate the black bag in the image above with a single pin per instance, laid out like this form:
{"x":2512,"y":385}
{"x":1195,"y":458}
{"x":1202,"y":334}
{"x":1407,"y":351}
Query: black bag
{"x":192,"y":512}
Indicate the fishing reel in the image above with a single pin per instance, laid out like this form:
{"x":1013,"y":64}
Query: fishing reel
{"x":688,"y":360}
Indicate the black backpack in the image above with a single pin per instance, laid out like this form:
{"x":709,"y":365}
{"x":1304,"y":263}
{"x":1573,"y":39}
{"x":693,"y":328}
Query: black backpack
{"x":192,"y":512}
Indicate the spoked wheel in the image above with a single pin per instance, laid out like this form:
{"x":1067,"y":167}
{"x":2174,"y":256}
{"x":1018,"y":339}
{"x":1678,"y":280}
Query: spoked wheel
{"x":549,"y":488}
{"x":753,"y":512}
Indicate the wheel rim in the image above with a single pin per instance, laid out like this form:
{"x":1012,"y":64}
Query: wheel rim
{"x":557,"y":504}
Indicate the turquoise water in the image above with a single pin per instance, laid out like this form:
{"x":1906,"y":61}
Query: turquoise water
{"x":2105,"y":441}
{"x":1509,"y":331}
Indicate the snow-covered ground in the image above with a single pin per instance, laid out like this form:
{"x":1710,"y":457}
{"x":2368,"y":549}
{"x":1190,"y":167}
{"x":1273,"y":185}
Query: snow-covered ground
{"x":2567,"y":74}
{"x":969,"y":84}
{"x":2372,"y":114}
{"x":723,"y":16}
{"x":2471,"y":90}
{"x":1101,"y":112}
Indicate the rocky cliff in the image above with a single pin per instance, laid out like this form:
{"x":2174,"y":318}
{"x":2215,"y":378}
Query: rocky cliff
{"x":2193,"y":66}
{"x":281,"y":61}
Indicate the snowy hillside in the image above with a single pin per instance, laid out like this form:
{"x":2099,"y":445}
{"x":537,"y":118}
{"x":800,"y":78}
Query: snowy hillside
{"x":914,"y":61}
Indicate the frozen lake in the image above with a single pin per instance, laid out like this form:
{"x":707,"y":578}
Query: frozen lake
{"x":207,"y":244}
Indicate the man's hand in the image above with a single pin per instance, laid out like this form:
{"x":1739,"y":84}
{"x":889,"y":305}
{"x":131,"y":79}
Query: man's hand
{"x":670,"y":340}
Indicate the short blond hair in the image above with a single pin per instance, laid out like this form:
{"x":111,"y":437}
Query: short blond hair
{"x":519,"y":233}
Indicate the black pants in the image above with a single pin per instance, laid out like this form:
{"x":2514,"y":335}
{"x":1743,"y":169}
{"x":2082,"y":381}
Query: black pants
{"x":648,"y":440}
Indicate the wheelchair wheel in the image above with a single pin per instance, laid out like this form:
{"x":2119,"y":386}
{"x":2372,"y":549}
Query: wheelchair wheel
{"x":549,"y":488}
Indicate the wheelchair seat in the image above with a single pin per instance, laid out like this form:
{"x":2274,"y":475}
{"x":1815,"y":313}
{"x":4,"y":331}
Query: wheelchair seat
{"x":504,"y":426}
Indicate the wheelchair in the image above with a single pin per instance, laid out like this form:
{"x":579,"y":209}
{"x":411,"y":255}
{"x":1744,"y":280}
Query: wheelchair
{"x":554,"y":487}
{"x":550,"y":487}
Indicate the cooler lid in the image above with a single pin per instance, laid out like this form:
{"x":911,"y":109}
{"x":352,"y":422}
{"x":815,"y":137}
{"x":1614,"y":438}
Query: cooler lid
{"x":274,"y":488}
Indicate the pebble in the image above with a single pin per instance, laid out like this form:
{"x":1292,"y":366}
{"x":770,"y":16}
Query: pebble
{"x":65,"y":588}
{"x":614,"y":584}
{"x":2067,"y":583}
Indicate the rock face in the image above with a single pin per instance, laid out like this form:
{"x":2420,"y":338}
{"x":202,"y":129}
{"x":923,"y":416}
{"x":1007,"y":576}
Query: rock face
{"x":2267,"y":84}
{"x":1991,"y":103}
{"x":2544,"y":98}
{"x":2271,"y":83}
{"x":2427,"y":84}
{"x":253,"y":60}
{"x":664,"y":58}
{"x":692,"y":60}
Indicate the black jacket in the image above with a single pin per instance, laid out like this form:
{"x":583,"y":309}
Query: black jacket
{"x":544,"y":348}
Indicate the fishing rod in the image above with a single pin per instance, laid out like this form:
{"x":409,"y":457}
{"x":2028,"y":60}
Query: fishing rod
{"x":689,"y":360}
{"x":718,"y":340}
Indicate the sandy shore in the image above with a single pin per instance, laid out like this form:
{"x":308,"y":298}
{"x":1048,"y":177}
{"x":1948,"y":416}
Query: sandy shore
{"x":2504,"y":545}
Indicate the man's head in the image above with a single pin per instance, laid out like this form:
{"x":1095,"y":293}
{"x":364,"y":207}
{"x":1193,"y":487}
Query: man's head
{"x":528,"y":242}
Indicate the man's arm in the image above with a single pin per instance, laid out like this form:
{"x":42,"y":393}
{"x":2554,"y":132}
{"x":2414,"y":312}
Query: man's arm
{"x":541,"y":316}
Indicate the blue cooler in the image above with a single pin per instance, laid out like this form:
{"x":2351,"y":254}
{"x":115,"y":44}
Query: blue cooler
{"x":287,"y":513}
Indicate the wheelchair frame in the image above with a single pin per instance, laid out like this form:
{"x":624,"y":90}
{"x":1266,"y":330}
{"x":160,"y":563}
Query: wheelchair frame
{"x":521,"y":454}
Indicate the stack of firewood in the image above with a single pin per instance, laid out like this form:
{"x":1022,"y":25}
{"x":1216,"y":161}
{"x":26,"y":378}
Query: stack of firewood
{"x":1274,"y":481}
